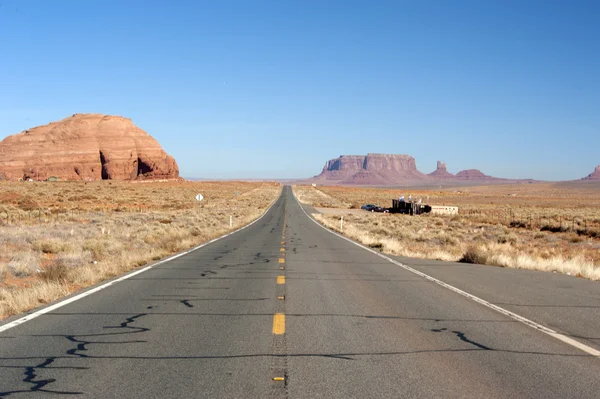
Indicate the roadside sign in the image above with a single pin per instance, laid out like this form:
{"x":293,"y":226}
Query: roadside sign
{"x":199,"y":197}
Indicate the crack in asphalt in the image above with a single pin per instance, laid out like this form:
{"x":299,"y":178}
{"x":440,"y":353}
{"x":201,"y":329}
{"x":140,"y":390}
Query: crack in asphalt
{"x":187,"y":303}
{"x":462,"y":336}
{"x":32,"y":372}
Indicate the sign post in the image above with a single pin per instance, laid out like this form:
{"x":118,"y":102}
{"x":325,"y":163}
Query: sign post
{"x":199,"y":198}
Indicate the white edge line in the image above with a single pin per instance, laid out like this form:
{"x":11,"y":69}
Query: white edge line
{"x":530,"y":323}
{"x":67,"y":301}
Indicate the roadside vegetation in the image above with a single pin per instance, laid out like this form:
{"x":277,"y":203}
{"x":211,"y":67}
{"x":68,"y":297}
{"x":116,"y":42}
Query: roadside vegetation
{"x":539,"y":226}
{"x":56,"y":238}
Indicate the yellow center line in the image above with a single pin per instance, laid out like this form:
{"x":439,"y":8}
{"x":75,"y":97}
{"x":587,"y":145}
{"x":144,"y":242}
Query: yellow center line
{"x":282,"y":250}
{"x":279,"y":324}
{"x":280,"y":280}
{"x":281,"y":260}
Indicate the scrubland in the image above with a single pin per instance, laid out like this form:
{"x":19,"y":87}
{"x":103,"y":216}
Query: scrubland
{"x":542,"y":226}
{"x":56,"y":238}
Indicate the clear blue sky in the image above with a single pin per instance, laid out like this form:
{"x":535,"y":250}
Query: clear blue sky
{"x":256,"y":89}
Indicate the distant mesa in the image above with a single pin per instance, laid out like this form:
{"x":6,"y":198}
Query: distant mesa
{"x":394,"y":169}
{"x":595,"y":175}
{"x":370,"y":169}
{"x":85,"y":147}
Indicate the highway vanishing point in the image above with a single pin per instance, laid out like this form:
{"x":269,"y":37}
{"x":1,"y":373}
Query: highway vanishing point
{"x":286,"y":309}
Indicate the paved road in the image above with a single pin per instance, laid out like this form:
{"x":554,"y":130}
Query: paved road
{"x":286,"y":309}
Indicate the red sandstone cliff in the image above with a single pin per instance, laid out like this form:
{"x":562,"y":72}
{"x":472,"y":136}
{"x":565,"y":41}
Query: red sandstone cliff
{"x":595,"y":175}
{"x":88,"y":147}
{"x":390,"y":170}
{"x":370,"y":169}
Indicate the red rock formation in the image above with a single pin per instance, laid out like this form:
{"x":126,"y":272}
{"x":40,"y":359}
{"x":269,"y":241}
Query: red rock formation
{"x":394,"y":170}
{"x":88,"y":147}
{"x":473,"y":174}
{"x":441,"y":172}
{"x":371,"y":169}
{"x":595,"y":175}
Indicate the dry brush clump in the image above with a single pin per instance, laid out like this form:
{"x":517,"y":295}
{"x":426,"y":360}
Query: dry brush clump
{"x":41,"y":261}
{"x":465,"y":238}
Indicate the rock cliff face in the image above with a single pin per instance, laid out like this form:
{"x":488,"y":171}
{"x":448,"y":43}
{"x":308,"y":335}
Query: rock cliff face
{"x":370,"y":169}
{"x":473,"y":175}
{"x":390,"y":170}
{"x":595,"y":175}
{"x":441,"y":172}
{"x":85,"y":147}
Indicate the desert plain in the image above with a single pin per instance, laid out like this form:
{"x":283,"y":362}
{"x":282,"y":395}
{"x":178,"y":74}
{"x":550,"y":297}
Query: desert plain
{"x":552,"y":227}
{"x":59,"y":237}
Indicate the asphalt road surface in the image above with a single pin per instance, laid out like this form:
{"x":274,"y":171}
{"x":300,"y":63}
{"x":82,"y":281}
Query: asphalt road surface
{"x":285,"y":308}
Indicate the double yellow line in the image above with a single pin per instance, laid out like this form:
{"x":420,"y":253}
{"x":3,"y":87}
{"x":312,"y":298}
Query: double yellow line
{"x":279,"y":318}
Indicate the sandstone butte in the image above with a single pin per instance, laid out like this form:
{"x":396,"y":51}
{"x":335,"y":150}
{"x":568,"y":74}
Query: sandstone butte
{"x":441,"y":172}
{"x":595,"y":175}
{"x":85,"y":147}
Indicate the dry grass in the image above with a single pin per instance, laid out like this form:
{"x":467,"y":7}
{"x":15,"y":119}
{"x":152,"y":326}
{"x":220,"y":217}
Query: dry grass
{"x":473,"y":237}
{"x":113,"y":228}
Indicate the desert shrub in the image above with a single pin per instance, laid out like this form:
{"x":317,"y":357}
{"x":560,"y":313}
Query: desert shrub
{"x":507,"y":238}
{"x":74,"y":259}
{"x":380,"y":231}
{"x":97,"y":248}
{"x":447,"y":239}
{"x":376,"y":245}
{"x":76,"y":198}
{"x":49,"y":246}
{"x":594,"y":233}
{"x":518,"y":224}
{"x":27,"y":203}
{"x":474,"y":255}
{"x":554,"y":229}
{"x":24,"y":264}
{"x":56,"y":272}
{"x":575,"y":239}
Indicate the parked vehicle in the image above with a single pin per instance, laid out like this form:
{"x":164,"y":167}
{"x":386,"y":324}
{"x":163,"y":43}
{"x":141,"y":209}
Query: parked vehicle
{"x":380,"y":209}
{"x":374,"y":208}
